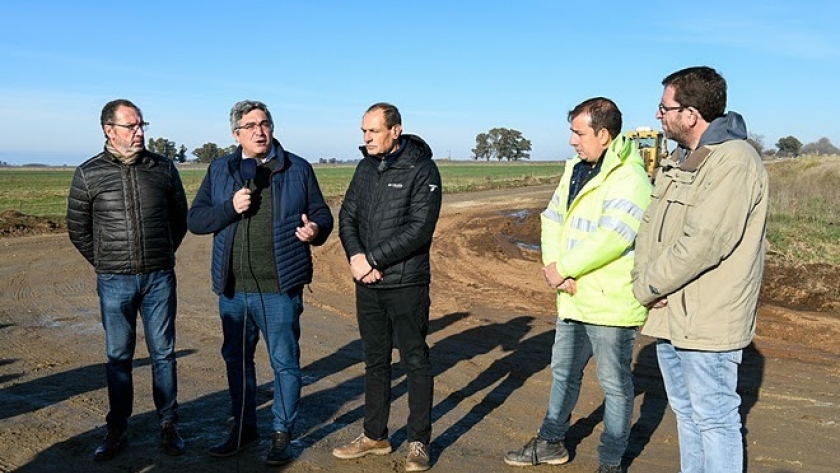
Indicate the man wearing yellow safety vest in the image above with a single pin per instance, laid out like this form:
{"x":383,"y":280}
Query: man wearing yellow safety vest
{"x":588,"y":233}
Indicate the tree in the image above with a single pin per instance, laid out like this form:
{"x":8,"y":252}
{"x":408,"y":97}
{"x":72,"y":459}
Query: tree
{"x":209,"y":152}
{"x":163,"y":147}
{"x":789,"y":146}
{"x":181,"y":156}
{"x":757,"y":142}
{"x":821,"y":147}
{"x":501,"y":143}
{"x":482,"y":147}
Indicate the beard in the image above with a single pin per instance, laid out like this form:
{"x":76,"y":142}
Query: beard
{"x":678,"y":132}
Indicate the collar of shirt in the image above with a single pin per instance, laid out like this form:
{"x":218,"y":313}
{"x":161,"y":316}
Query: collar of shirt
{"x":271,"y":155}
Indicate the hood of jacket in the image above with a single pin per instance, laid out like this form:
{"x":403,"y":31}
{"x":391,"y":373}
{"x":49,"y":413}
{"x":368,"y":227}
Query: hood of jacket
{"x":411,"y":151}
{"x":729,"y":127}
{"x":726,"y":128}
{"x":621,"y":150}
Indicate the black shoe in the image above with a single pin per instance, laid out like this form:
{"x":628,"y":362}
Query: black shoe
{"x":171,"y":442}
{"x":114,"y":441}
{"x":281,"y":449}
{"x":538,"y":451}
{"x":235,"y":443}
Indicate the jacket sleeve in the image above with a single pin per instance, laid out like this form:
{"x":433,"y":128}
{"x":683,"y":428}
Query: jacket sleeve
{"x":317,"y":210}
{"x":348,"y":218}
{"x":177,"y":209}
{"x":206,"y":217}
{"x":626,"y":196}
{"x":551,"y":223}
{"x":418,"y":230}
{"x":713,"y":227}
{"x":643,"y":249}
{"x":80,"y":216}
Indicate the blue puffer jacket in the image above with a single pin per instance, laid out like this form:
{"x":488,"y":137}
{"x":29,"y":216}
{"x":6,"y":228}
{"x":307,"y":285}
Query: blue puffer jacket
{"x":294,"y":191}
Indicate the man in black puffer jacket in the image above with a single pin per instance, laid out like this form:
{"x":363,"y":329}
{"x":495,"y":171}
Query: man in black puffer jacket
{"x":127,"y":214}
{"x":386,"y":224}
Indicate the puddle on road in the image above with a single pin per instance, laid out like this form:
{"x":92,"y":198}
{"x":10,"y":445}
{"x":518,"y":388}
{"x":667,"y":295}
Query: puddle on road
{"x":519,"y":218}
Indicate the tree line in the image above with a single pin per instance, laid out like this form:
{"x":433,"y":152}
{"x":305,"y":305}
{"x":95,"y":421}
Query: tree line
{"x":790,"y":147}
{"x":205,"y":154}
{"x":500,"y":144}
{"x":507,"y":144}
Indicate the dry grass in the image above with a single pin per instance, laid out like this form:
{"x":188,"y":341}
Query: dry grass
{"x":804,"y":222}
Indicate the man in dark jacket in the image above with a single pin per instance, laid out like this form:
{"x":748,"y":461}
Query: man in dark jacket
{"x":126,"y":214}
{"x":386,"y":225}
{"x":265,"y":210}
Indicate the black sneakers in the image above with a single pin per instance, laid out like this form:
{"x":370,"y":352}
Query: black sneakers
{"x":115,"y":440}
{"x":234,"y":443}
{"x":538,"y":451}
{"x":171,"y":442}
{"x":281,"y":449}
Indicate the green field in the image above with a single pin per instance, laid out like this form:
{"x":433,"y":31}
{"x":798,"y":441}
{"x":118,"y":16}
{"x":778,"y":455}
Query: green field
{"x":43,"y":191}
{"x":803,"y":225}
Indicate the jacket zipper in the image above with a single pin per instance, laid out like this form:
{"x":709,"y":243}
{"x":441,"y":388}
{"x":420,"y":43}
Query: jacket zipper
{"x":131,"y":200}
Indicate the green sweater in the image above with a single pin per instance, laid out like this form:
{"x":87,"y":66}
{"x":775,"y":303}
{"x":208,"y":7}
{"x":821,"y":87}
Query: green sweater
{"x":252,"y":267}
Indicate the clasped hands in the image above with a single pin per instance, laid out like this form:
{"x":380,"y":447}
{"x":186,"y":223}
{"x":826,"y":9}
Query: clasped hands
{"x":558,"y":282}
{"x":362,"y":270}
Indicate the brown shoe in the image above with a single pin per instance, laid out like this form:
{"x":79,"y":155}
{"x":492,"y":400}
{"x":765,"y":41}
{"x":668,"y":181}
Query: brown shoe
{"x":362,"y":446}
{"x":418,"y":457}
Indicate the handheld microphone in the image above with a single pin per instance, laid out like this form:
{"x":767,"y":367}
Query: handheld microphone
{"x":248,"y":170}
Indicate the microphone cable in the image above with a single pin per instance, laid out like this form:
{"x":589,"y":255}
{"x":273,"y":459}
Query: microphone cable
{"x":247,"y":223}
{"x":245,"y":253}
{"x":260,"y":294}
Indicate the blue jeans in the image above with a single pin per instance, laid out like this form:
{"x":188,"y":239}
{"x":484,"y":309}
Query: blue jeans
{"x":121,"y":297}
{"x":612,"y":347}
{"x":401,"y":315}
{"x":277,"y":316}
{"x":701,"y":391}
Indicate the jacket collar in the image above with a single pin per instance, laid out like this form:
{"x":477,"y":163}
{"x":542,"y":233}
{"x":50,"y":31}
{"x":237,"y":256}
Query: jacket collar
{"x":235,"y":161}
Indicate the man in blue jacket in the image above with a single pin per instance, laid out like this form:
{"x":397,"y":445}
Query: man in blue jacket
{"x":264,"y":216}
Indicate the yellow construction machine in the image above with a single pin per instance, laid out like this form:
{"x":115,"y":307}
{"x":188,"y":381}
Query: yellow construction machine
{"x":652,"y":146}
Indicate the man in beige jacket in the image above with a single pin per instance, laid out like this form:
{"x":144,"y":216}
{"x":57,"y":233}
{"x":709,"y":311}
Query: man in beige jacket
{"x":699,"y":263}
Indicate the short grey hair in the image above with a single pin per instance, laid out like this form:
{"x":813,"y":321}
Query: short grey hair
{"x":245,"y":107}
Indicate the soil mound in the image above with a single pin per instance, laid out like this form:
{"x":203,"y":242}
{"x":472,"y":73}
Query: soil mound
{"x":16,"y":224}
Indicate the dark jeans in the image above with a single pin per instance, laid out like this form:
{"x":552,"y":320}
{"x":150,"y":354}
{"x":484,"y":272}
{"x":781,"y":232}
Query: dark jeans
{"x":121,"y":297}
{"x":277,"y":316}
{"x":401,"y":315}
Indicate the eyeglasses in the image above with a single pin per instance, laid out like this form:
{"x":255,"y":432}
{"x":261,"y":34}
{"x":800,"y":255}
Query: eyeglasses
{"x":265,"y":125}
{"x":663,"y":109}
{"x":132,"y":127}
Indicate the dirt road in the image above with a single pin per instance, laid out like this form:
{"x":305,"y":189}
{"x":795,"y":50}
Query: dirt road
{"x":492,"y":331}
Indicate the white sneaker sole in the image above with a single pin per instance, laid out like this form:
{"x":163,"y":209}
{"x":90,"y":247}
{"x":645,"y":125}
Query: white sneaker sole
{"x":372,"y":451}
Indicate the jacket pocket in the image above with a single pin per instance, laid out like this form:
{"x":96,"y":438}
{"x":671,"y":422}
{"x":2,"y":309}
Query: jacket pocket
{"x":678,"y":201}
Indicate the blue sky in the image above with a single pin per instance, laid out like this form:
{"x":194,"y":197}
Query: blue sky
{"x":454,"y":68}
